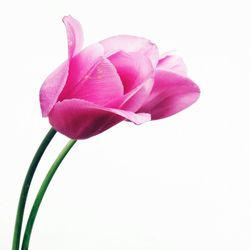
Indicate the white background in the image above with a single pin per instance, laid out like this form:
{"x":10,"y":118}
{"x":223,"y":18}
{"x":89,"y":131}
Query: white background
{"x":178,"y":183}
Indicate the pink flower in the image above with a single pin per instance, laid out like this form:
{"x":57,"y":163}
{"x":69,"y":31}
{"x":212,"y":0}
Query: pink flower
{"x":120,"y":78}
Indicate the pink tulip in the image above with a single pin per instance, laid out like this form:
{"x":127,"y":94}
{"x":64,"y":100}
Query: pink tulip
{"x":120,"y":78}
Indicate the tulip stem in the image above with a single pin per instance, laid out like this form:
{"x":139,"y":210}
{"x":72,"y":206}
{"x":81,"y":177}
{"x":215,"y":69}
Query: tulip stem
{"x":26,"y":186}
{"x":41,"y":192}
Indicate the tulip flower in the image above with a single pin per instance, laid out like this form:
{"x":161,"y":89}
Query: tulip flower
{"x":121,"y":78}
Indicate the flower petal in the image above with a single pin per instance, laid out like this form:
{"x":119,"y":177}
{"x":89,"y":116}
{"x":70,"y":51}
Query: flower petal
{"x":79,"y":119}
{"x":74,"y":34}
{"x":52,"y":88}
{"x":100,"y":85}
{"x":80,"y":65}
{"x":136,"y":73}
{"x":136,"y":98}
{"x":171,"y":93}
{"x":172,"y":63}
{"x":133,"y":68}
{"x":128,"y":43}
{"x":55,"y":82}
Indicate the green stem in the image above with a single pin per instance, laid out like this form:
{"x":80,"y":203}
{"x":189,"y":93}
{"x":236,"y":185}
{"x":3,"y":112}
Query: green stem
{"x":26,"y":186}
{"x":41,"y":192}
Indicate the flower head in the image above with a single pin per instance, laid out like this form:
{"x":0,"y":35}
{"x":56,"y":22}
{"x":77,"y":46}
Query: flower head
{"x":120,"y":78}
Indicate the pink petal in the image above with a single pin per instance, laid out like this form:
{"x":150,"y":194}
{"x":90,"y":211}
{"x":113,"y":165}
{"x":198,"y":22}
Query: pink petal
{"x":52,"y":88}
{"x":136,"y":98}
{"x":172,"y":63}
{"x":74,"y":34}
{"x":79,"y":119}
{"x":100,"y":85}
{"x":171,"y":93}
{"x":56,"y":81}
{"x":80,"y":65}
{"x":133,"y":68}
{"x":128,"y":43}
{"x":136,"y":73}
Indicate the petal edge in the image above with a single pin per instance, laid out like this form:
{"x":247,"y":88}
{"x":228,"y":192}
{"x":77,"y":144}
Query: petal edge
{"x":79,"y":119}
{"x":129,"y":43}
{"x":171,"y":94}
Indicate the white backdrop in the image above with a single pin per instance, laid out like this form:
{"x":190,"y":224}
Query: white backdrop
{"x":178,"y":183}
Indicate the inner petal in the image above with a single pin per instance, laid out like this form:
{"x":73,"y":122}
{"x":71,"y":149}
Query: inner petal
{"x":172,"y":63}
{"x":79,"y":67}
{"x":133,"y":68}
{"x":100,"y":85}
{"x":131,"y":44}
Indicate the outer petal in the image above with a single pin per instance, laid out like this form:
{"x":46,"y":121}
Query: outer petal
{"x":74,"y":34}
{"x":172,"y":63}
{"x":80,"y":65}
{"x":128,"y":43}
{"x":56,"y":81}
{"x":100,"y":85}
{"x":79,"y":119}
{"x":52,"y":88}
{"x":171,"y":93}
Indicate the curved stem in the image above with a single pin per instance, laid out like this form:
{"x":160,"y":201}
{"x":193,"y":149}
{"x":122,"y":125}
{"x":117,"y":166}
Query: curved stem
{"x":26,"y":186}
{"x":41,"y":192}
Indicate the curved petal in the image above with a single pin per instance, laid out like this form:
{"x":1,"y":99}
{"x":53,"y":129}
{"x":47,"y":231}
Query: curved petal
{"x":80,"y":65}
{"x":74,"y":34}
{"x":136,"y":73}
{"x":79,"y":119}
{"x":133,"y":68}
{"x":52,"y":88}
{"x":100,"y":85}
{"x":172,"y":63}
{"x":55,"y":82}
{"x":136,"y":98}
{"x":171,"y":93}
{"x":128,"y":43}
